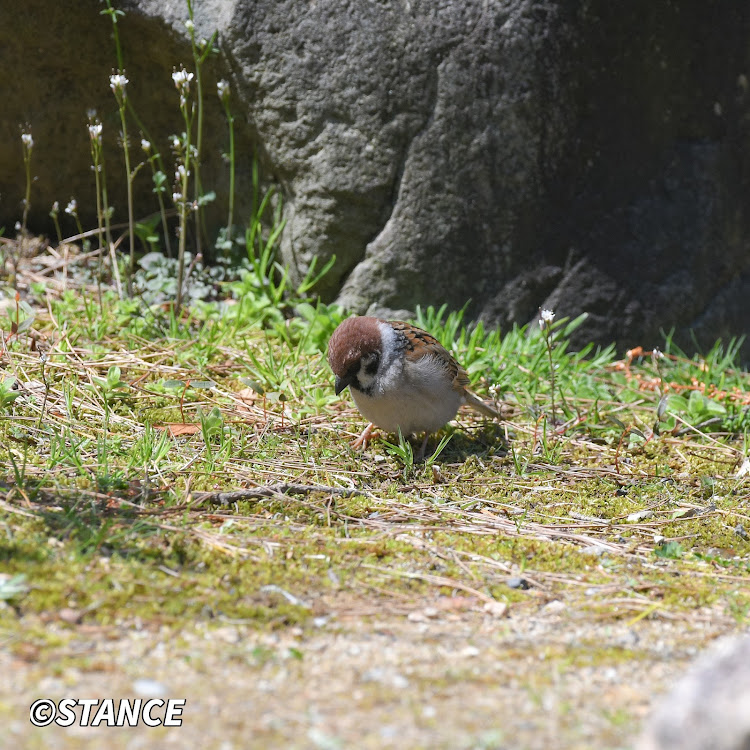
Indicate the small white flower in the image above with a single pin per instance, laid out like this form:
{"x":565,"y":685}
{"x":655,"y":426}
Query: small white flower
{"x":657,"y":353}
{"x":176,"y":143}
{"x":72,"y":207}
{"x":180,"y":172}
{"x":189,"y":25}
{"x":145,"y":145}
{"x":222,"y":89}
{"x":95,"y":131}
{"x":176,"y":197}
{"x":18,"y":226}
{"x":182,"y":79}
{"x":27,"y":140}
{"x":547,"y":316}
{"x":56,"y":207}
{"x":118,"y":82}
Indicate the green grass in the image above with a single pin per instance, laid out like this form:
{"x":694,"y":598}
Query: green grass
{"x":118,"y":442}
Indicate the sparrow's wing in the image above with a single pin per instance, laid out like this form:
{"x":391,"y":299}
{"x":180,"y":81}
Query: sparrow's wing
{"x":420,"y":343}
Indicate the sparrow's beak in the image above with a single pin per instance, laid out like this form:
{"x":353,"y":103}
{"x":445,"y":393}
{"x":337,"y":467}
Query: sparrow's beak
{"x":342,"y":383}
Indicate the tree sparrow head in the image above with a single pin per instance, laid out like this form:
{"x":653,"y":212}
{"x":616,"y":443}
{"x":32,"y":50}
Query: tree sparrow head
{"x":354,"y":352}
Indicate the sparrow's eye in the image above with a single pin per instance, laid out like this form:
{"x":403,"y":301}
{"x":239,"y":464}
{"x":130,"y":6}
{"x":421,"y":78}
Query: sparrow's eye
{"x":371,"y":363}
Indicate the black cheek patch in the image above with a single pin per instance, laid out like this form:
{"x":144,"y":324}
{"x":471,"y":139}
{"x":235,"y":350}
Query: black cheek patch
{"x":371,"y":368}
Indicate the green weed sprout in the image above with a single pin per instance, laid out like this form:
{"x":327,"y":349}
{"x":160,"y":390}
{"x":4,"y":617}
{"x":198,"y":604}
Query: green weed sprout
{"x":7,"y":393}
{"x":403,"y":451}
{"x":430,"y":460}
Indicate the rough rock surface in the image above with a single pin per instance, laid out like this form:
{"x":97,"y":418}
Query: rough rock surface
{"x":710,"y":707}
{"x":583,"y":156}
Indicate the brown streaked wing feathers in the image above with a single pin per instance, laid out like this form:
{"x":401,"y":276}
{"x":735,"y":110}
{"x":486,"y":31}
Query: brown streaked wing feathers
{"x":417,"y":339}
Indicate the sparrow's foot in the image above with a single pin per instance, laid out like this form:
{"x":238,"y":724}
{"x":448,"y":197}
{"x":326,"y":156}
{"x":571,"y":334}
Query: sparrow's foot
{"x":364,"y":439}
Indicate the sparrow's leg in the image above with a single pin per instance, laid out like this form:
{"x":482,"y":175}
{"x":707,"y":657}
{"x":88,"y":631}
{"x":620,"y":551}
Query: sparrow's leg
{"x":420,"y":453}
{"x":363,"y":440}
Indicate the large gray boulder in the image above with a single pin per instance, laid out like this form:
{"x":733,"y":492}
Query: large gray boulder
{"x":588,"y":156}
{"x":709,"y":708}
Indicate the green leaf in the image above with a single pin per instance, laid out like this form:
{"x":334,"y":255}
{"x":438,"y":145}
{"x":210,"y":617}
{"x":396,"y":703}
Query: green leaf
{"x":677,"y":403}
{"x":198,"y":384}
{"x":206,"y":198}
{"x":11,"y":587}
{"x":254,"y":384}
{"x":685,"y":513}
{"x":671,"y":550}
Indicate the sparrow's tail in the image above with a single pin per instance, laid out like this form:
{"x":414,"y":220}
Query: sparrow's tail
{"x":477,"y":404}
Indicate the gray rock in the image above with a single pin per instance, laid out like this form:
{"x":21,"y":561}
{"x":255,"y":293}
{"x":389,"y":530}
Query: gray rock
{"x":516,"y":582}
{"x":709,"y":709}
{"x":583,"y":157}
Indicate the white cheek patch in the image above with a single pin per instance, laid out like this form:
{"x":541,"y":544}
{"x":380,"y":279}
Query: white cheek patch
{"x":364,"y":379}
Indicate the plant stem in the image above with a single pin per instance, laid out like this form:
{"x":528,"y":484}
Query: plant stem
{"x":159,"y":190}
{"x":547,"y":338}
{"x":108,"y":233}
{"x":183,"y":213}
{"x":129,"y":178}
{"x":27,"y":198}
{"x":230,"y":217}
{"x":95,"y":153}
{"x":198,"y":190}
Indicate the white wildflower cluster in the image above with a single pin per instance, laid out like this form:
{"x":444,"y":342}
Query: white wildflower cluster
{"x":222,"y":89}
{"x":72,"y":208}
{"x":95,"y":132}
{"x":545,"y":318}
{"x":494,"y":390}
{"x":146,"y":145}
{"x":27,"y":140}
{"x":189,"y":25}
{"x":118,"y":82}
{"x":182,"y":80}
{"x":180,"y":175}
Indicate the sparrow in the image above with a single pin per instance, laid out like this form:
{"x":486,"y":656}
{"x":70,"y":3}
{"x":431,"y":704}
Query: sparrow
{"x":400,"y":377}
